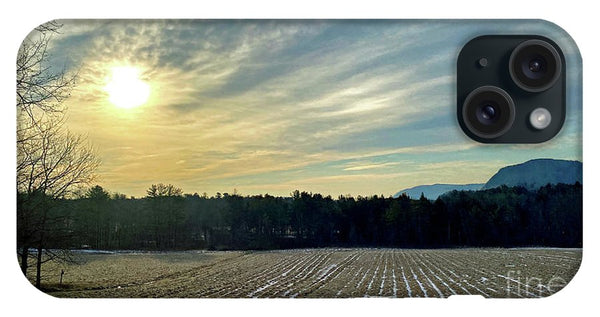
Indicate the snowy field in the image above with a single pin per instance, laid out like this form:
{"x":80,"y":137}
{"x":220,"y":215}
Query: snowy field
{"x":535,"y":272}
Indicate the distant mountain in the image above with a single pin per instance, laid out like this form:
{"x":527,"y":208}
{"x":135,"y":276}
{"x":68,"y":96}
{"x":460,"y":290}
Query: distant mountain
{"x":434,"y":191}
{"x":531,"y":174}
{"x":536,"y":173}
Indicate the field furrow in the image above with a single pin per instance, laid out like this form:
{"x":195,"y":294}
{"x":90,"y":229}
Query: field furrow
{"x":321,"y":273}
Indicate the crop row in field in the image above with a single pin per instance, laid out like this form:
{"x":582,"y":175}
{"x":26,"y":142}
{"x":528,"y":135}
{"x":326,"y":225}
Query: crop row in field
{"x":324,"y":273}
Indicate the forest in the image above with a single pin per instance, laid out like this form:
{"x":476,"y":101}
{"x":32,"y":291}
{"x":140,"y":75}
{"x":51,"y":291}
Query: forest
{"x":168,"y":219}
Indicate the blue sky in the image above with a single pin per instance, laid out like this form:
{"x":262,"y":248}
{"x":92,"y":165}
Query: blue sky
{"x":337,"y":107}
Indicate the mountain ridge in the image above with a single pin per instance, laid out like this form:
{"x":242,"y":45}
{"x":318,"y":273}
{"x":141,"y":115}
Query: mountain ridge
{"x":530,"y":174}
{"x":535,"y":173}
{"x":435,"y":190}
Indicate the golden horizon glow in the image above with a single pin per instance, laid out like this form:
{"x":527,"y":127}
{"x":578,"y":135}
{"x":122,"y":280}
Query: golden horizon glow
{"x":126,"y":89}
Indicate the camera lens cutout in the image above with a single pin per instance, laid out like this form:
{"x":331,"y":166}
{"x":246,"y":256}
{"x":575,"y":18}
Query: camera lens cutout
{"x":535,"y":65}
{"x":488,"y":112}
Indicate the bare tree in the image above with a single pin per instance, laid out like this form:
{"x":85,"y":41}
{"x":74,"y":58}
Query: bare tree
{"x":51,"y":161}
{"x":162,"y":190}
{"x":39,"y":87}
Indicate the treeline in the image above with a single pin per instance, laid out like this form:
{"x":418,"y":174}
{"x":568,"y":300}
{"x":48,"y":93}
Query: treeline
{"x":166,"y":219}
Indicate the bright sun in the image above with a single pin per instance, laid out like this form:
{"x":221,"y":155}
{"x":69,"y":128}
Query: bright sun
{"x":126,"y":89}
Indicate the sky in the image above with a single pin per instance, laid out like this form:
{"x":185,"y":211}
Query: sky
{"x":335,"y":107}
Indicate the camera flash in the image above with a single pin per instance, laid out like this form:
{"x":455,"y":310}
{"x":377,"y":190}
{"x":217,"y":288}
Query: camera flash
{"x":540,"y":118}
{"x":482,"y":62}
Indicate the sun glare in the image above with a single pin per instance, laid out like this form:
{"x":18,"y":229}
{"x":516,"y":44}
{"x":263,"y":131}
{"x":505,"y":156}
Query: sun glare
{"x":126,"y":89}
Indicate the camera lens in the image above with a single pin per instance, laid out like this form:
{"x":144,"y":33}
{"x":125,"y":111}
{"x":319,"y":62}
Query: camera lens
{"x":535,"y":65}
{"x":488,"y":112}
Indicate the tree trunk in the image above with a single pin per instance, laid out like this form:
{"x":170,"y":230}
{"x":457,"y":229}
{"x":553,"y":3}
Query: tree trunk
{"x":38,"y":265}
{"x":24,"y":258}
{"x":206,"y":237}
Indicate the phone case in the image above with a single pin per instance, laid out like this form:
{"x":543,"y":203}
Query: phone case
{"x":282,"y":158}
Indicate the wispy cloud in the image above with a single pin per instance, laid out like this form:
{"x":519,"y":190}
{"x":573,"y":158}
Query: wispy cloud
{"x":370,"y":166}
{"x":332,"y":106}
